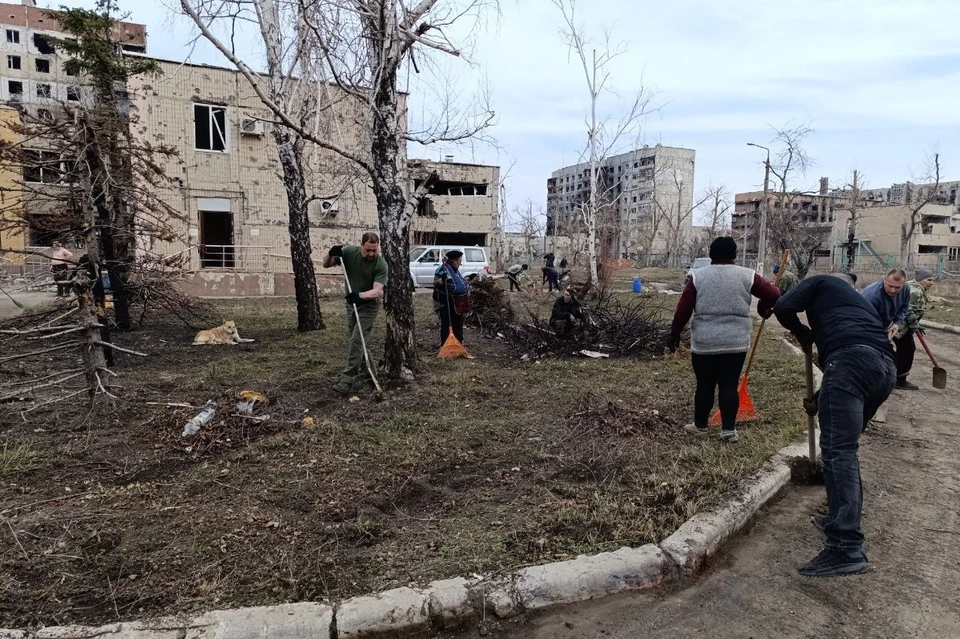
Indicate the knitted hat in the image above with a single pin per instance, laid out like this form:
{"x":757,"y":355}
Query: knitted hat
{"x":724,"y":249}
{"x":923,"y":274}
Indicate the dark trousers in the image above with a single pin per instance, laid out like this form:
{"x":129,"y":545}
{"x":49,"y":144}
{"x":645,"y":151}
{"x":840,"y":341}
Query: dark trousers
{"x":61,"y":277}
{"x":856,"y":381}
{"x":906,"y":349}
{"x":564,"y":326}
{"x":448,"y":319}
{"x":715,"y":371}
{"x":552,"y":280}
{"x":514,"y":281}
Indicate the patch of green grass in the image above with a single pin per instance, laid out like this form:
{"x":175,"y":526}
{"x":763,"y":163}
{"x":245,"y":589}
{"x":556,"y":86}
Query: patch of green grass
{"x":17,"y":458}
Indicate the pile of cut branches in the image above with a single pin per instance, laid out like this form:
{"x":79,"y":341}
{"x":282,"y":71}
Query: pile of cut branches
{"x":491,"y":306}
{"x":610,"y":327}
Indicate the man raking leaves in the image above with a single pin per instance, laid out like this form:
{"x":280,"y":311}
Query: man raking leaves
{"x":858,"y":375}
{"x":365,"y":275}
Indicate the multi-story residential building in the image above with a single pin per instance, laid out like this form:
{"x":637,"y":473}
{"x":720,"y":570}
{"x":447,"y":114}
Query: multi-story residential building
{"x":812,"y":210}
{"x":634,"y":189}
{"x":11,"y":239}
{"x":226,"y":177}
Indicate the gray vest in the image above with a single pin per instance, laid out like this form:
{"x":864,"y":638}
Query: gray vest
{"x":721,"y":317}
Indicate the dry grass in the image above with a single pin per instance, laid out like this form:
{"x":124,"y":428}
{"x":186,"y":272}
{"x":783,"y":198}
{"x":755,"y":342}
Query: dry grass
{"x":481,"y":466}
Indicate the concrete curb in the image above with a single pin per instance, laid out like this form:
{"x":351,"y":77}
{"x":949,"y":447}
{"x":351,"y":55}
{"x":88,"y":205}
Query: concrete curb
{"x":940,"y":327}
{"x":451,"y":601}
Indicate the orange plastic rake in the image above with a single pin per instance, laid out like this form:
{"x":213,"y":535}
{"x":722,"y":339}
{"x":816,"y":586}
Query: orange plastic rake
{"x":746,"y":412}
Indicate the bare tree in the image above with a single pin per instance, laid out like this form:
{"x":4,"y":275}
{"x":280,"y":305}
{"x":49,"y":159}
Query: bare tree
{"x":604,"y":134}
{"x":677,"y":213}
{"x":528,"y":220}
{"x":853,"y":200}
{"x":362,"y":47}
{"x":787,"y":223}
{"x":924,"y":196}
{"x":713,"y":216}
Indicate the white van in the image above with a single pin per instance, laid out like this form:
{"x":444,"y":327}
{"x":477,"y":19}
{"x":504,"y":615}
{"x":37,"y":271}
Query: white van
{"x":424,"y":261}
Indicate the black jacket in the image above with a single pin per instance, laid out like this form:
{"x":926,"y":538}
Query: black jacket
{"x":563,"y":310}
{"x":838,"y":316}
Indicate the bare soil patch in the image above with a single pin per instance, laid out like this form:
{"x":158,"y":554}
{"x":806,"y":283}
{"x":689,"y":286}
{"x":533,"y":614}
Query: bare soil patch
{"x":481,"y":466}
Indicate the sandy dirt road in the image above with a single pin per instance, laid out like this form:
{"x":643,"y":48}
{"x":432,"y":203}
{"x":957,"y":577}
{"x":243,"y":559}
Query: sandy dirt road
{"x":911,"y":471}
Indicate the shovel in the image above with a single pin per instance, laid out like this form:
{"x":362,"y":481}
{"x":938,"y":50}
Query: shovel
{"x":939,"y":374}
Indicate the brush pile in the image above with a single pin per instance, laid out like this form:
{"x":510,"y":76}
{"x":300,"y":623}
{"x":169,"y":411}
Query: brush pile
{"x":611,"y":327}
{"x":492,"y":310}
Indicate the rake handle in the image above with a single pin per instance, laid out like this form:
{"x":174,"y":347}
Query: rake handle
{"x":763,"y":321}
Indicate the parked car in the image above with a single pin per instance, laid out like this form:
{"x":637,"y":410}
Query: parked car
{"x":424,"y":261}
{"x":700,"y":262}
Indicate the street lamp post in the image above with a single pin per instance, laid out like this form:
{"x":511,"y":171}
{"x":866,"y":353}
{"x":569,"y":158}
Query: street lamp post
{"x":764,"y":209}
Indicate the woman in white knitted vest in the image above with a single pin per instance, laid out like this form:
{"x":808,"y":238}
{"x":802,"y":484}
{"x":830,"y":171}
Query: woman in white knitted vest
{"x":718,"y":298}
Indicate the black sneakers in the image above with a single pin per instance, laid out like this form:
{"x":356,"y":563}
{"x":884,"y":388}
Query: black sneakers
{"x":835,"y":563}
{"x":905,"y":385}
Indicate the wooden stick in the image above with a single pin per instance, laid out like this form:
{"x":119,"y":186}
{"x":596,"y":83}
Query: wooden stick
{"x":763,"y":321}
{"x":43,"y":379}
{"x":48,"y":350}
{"x":39,"y":386}
{"x":122,"y":350}
{"x":59,"y":399}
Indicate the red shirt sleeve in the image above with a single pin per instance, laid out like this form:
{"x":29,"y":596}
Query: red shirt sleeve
{"x":767,"y":293}
{"x":688,"y":301}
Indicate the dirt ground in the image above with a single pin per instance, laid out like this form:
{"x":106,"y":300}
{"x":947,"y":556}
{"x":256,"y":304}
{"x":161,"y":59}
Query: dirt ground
{"x":911,"y":471}
{"x":481,"y":466}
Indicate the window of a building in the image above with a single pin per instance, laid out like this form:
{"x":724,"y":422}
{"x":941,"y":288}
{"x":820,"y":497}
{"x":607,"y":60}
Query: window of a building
{"x":13,"y":36}
{"x":43,"y":65}
{"x":210,"y":126}
{"x":41,"y":167}
{"x":13,"y":62}
{"x":44,"y":114}
{"x":15,"y":87}
{"x":43,"y":90}
{"x":73,"y":94}
{"x":42,"y":44}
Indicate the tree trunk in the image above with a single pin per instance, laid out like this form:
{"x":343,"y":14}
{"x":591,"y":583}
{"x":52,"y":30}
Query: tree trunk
{"x":394,"y":213}
{"x":290,"y":150}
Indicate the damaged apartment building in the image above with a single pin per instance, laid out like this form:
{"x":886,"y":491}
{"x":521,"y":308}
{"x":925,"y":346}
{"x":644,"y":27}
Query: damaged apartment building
{"x":226,"y":178}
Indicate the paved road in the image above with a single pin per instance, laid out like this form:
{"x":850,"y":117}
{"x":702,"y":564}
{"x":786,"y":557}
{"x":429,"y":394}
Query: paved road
{"x":911,"y":471}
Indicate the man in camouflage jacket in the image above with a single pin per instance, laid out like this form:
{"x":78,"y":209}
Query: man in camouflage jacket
{"x":906,"y":348}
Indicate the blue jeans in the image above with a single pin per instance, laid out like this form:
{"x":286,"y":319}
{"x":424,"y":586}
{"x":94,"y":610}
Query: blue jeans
{"x":856,"y":381}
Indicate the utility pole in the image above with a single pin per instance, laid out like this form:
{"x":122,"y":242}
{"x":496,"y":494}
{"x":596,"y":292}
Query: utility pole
{"x":764,"y":209}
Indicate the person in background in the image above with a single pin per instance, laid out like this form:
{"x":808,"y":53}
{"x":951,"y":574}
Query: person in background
{"x":451,"y":296}
{"x":367,"y":272}
{"x":550,"y":272}
{"x":891,"y":299}
{"x":787,"y":281}
{"x":718,"y":298}
{"x":906,"y":347}
{"x":59,"y":262}
{"x":514,"y":273}
{"x":566,"y":315}
{"x":858,"y":376}
{"x":563,"y":263}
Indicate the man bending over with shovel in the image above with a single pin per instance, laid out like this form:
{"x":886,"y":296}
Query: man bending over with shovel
{"x":365,"y":272}
{"x":859,"y":372}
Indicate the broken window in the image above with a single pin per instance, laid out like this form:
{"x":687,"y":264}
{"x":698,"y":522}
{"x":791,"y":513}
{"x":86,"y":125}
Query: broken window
{"x":210,"y":125}
{"x":461,"y":189}
{"x":42,"y":45}
{"x":13,"y":36}
{"x":134,"y":48}
{"x":43,"y":65}
{"x":16,"y":88}
{"x":73,"y":94}
{"x":43,"y":90}
{"x":13,"y":62}
{"x":44,"y":114}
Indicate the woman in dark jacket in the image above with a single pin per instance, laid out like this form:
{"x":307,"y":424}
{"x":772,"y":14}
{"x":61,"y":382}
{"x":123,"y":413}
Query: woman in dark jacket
{"x":451,"y":296}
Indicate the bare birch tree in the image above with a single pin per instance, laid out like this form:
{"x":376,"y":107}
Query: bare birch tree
{"x":529,"y":221}
{"x":362,"y":47}
{"x":605,"y":134}
{"x":924,"y":196}
{"x":714,"y":216}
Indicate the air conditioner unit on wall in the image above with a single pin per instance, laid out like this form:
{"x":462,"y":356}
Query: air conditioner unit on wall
{"x":251,"y":126}
{"x":329,"y":207}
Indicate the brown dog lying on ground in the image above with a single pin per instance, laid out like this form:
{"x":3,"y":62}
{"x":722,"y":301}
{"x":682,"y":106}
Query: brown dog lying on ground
{"x":226,"y":333}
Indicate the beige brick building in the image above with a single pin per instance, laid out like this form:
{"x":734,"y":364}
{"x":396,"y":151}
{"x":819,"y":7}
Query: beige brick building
{"x":226,"y":184}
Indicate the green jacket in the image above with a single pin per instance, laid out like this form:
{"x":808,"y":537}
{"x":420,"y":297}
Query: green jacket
{"x":918,"y":306}
{"x":787,"y":281}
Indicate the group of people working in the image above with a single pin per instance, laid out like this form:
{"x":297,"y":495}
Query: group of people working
{"x":865,"y":349}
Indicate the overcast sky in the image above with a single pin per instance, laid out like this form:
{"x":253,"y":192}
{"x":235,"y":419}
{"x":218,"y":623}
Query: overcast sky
{"x":877,"y":80}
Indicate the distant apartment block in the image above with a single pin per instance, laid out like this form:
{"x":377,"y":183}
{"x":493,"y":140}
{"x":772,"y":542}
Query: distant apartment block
{"x":634,"y":187}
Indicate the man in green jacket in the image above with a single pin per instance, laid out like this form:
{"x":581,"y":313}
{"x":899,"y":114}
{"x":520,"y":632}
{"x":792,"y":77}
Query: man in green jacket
{"x":906,"y":348}
{"x":366,"y":272}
